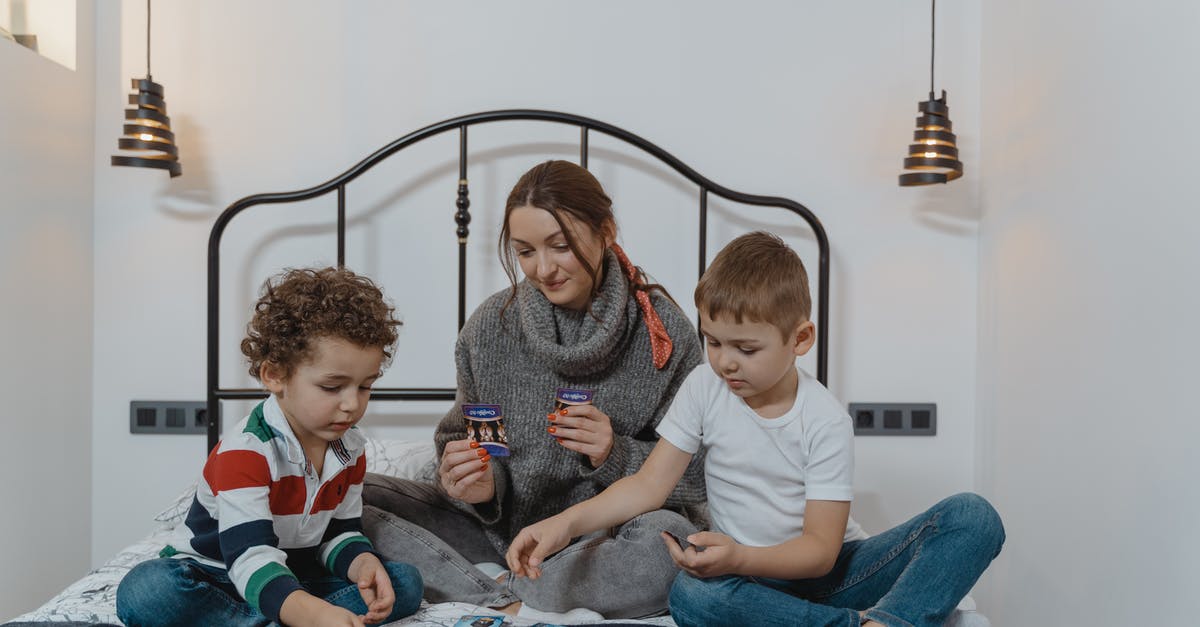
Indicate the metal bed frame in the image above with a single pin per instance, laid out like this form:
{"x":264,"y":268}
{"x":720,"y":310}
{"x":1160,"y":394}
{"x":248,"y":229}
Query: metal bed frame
{"x":462,"y":218}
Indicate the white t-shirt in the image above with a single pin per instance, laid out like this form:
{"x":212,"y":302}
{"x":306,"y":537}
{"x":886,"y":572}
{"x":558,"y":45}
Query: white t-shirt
{"x":760,"y":471}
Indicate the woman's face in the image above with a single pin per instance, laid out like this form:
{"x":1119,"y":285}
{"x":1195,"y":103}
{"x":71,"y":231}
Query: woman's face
{"x":546,"y":258}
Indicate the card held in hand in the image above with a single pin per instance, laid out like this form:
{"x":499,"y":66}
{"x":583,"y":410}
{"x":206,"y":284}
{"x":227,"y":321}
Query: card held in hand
{"x":485,"y":425}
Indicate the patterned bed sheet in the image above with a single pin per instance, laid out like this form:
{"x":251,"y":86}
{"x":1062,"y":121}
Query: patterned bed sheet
{"x":92,"y":599}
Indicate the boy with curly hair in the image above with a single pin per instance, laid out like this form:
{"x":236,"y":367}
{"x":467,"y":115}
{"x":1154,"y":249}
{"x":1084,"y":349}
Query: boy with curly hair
{"x":274,"y":531}
{"x":779,"y":470}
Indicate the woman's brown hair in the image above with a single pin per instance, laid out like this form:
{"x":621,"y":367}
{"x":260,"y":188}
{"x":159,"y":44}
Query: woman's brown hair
{"x":559,"y":187}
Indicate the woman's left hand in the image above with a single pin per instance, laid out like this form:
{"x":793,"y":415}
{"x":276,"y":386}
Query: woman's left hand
{"x":583,"y":429}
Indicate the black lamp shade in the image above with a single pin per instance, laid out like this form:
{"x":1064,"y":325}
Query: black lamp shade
{"x":148,"y":131}
{"x":934,"y":155}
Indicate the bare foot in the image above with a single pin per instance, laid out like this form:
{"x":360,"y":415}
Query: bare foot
{"x":510,"y":609}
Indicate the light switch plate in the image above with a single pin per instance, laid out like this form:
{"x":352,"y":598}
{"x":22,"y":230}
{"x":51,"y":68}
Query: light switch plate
{"x":894,"y":418}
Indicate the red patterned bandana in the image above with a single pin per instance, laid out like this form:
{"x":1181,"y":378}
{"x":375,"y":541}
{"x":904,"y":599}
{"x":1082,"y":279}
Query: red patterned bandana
{"x":660,"y":341}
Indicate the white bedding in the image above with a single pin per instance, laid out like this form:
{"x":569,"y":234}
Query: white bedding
{"x":93,"y":598}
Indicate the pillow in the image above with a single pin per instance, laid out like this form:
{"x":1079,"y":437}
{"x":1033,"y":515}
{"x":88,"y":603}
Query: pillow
{"x":407,"y":459}
{"x":173,"y":514}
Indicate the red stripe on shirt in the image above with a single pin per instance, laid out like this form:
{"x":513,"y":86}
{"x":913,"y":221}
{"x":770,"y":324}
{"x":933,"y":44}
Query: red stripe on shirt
{"x":333,"y":493}
{"x":287,"y":495}
{"x":236,"y":469}
{"x":360,"y":470}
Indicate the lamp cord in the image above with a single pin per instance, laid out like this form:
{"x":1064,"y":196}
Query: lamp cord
{"x":148,"y":40}
{"x":932,"y":28}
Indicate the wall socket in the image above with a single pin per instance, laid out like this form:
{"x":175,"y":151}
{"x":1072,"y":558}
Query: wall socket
{"x":168,"y":417}
{"x":894,"y":418}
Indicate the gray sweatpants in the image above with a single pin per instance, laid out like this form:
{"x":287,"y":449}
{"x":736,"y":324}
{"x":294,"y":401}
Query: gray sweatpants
{"x":624,"y":572}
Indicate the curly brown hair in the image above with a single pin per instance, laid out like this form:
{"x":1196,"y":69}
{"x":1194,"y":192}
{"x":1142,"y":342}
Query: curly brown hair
{"x":299,"y":306}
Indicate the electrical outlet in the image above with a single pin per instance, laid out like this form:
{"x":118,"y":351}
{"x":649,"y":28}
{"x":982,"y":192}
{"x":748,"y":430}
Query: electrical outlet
{"x":894,"y":418}
{"x":168,"y":417}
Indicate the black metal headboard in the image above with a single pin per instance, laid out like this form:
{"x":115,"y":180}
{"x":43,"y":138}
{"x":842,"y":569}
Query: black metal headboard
{"x":463,"y":218}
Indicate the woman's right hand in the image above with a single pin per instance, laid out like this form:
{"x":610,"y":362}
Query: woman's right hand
{"x":465,"y":472}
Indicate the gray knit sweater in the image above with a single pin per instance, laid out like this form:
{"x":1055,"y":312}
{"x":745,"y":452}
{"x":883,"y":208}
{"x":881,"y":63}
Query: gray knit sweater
{"x":519,"y":357}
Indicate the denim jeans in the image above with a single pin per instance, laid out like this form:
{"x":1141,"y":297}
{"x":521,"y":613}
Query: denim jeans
{"x":910,"y":576}
{"x":625,"y":572}
{"x":181,"y":591}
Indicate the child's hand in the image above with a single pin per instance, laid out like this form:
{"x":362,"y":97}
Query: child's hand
{"x":374,"y":585}
{"x":534,"y":543}
{"x":721,"y":555}
{"x":583,"y":429}
{"x":465,"y":473}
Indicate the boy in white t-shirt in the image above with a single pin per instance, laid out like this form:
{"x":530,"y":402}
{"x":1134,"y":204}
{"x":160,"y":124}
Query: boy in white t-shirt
{"x":779,"y":473}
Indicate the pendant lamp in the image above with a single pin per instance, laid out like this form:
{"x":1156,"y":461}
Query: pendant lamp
{"x":147,"y":128}
{"x":934,"y":155}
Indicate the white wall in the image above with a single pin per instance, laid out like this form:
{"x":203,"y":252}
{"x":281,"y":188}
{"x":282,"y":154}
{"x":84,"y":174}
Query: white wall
{"x":46,"y":122}
{"x":805,"y":100}
{"x":51,"y":21}
{"x":1088,"y":302}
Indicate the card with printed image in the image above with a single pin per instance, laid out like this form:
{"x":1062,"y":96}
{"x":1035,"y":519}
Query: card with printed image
{"x":565,"y":397}
{"x":485,"y":425}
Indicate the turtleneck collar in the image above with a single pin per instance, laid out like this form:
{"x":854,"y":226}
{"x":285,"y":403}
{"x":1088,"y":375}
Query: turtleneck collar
{"x":579,"y":343}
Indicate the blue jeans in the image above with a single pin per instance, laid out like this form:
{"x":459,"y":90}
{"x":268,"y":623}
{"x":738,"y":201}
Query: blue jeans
{"x":181,"y":591}
{"x":910,"y":576}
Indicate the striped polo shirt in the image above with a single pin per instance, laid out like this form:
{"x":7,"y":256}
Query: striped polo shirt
{"x":261,"y":512}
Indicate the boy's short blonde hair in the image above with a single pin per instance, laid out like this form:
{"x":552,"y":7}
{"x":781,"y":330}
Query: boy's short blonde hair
{"x":756,"y":277}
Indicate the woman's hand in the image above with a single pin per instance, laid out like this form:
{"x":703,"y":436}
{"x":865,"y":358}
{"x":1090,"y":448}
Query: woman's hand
{"x":721,"y":554}
{"x":465,"y":473}
{"x":583,"y":429}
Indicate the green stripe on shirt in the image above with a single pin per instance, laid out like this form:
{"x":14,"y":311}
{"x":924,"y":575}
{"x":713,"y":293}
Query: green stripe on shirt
{"x":257,"y":424}
{"x":337,"y":550}
{"x":261,"y":578}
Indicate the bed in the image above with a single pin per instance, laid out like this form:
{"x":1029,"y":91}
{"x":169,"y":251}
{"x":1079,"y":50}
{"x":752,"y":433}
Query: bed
{"x":91,"y":599}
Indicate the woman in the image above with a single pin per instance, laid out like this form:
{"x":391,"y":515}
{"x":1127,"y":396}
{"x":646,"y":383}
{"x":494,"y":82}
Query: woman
{"x":583,"y":317}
